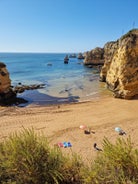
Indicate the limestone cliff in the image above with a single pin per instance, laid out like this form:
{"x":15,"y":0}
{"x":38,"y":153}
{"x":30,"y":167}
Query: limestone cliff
{"x":5,"y":85}
{"x":94,"y":57}
{"x":120,"y":70}
{"x":109,"y":50}
{"x":5,"y":81}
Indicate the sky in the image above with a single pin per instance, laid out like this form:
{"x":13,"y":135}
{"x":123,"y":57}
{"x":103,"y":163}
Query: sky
{"x":59,"y":26}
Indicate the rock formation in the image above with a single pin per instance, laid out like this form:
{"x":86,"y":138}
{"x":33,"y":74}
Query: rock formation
{"x":5,"y":81}
{"x":120,"y":70}
{"x":80,"y":56}
{"x":21,"y":88}
{"x":94,"y":57}
{"x":6,"y":92}
{"x":109,"y":49}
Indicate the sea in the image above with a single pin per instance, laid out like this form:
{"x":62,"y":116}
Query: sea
{"x":63,"y":83}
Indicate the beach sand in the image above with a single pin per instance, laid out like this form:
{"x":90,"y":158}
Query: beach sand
{"x":61,"y":123}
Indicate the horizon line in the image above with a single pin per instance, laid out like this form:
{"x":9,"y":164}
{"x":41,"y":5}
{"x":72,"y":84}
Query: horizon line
{"x":37,"y":52}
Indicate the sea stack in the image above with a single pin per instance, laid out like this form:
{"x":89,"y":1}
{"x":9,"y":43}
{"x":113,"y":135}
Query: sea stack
{"x":120,"y":70}
{"x":66,"y":59}
{"x":80,"y":56}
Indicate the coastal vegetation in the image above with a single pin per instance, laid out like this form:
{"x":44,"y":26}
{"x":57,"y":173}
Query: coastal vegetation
{"x":28,"y":158}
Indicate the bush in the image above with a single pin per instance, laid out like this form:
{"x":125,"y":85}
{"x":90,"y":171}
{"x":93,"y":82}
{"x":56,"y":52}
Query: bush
{"x":72,"y":170}
{"x":27,"y":159}
{"x":117,"y":164}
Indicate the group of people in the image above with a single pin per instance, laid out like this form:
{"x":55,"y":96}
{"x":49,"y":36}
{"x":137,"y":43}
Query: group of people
{"x":117,"y":129}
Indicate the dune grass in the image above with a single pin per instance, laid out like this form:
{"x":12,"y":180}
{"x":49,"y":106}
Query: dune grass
{"x":27,"y":158}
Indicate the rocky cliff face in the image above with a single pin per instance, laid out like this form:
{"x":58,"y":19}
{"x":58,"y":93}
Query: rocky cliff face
{"x":109,"y":50}
{"x":5,"y":81}
{"x":6,"y":92}
{"x":94,"y":57}
{"x":120,"y":70}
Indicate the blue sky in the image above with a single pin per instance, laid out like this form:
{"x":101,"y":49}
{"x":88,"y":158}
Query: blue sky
{"x":63,"y":25}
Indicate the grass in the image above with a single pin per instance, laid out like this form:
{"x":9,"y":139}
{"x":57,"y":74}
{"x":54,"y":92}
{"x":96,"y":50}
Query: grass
{"x":27,"y":158}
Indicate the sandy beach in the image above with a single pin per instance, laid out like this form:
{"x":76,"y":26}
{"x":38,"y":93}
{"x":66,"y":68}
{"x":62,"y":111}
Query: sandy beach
{"x":61,"y":123}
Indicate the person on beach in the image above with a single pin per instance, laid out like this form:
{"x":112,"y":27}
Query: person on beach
{"x":96,"y":148}
{"x":120,"y":131}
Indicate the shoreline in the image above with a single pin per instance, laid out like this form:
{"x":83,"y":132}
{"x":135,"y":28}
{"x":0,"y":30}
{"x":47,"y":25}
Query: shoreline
{"x":61,"y":123}
{"x":35,"y":97}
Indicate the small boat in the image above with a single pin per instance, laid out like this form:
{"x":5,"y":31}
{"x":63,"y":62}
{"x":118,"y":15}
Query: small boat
{"x":66,"y":59}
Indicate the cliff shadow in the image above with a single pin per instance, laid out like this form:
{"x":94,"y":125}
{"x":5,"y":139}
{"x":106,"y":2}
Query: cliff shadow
{"x":34,"y":97}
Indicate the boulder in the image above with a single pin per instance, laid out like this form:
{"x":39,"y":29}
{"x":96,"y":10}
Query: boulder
{"x":120,"y":70}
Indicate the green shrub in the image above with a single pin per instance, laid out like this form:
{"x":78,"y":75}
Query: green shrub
{"x":72,"y":170}
{"x":27,"y":159}
{"x":117,"y":164}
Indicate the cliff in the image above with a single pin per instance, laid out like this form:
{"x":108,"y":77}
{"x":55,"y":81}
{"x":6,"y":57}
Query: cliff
{"x":120,"y":70}
{"x":5,"y":81}
{"x":6,"y":93}
{"x":94,"y":57}
{"x":109,"y":50}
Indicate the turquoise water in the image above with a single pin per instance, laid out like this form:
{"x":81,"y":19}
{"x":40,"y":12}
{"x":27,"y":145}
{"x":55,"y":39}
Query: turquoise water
{"x":63,"y":82}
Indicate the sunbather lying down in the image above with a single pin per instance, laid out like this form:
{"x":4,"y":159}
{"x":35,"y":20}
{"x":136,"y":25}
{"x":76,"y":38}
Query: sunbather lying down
{"x":120,"y":131}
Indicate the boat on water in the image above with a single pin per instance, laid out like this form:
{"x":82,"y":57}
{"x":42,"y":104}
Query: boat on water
{"x":66,"y":59}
